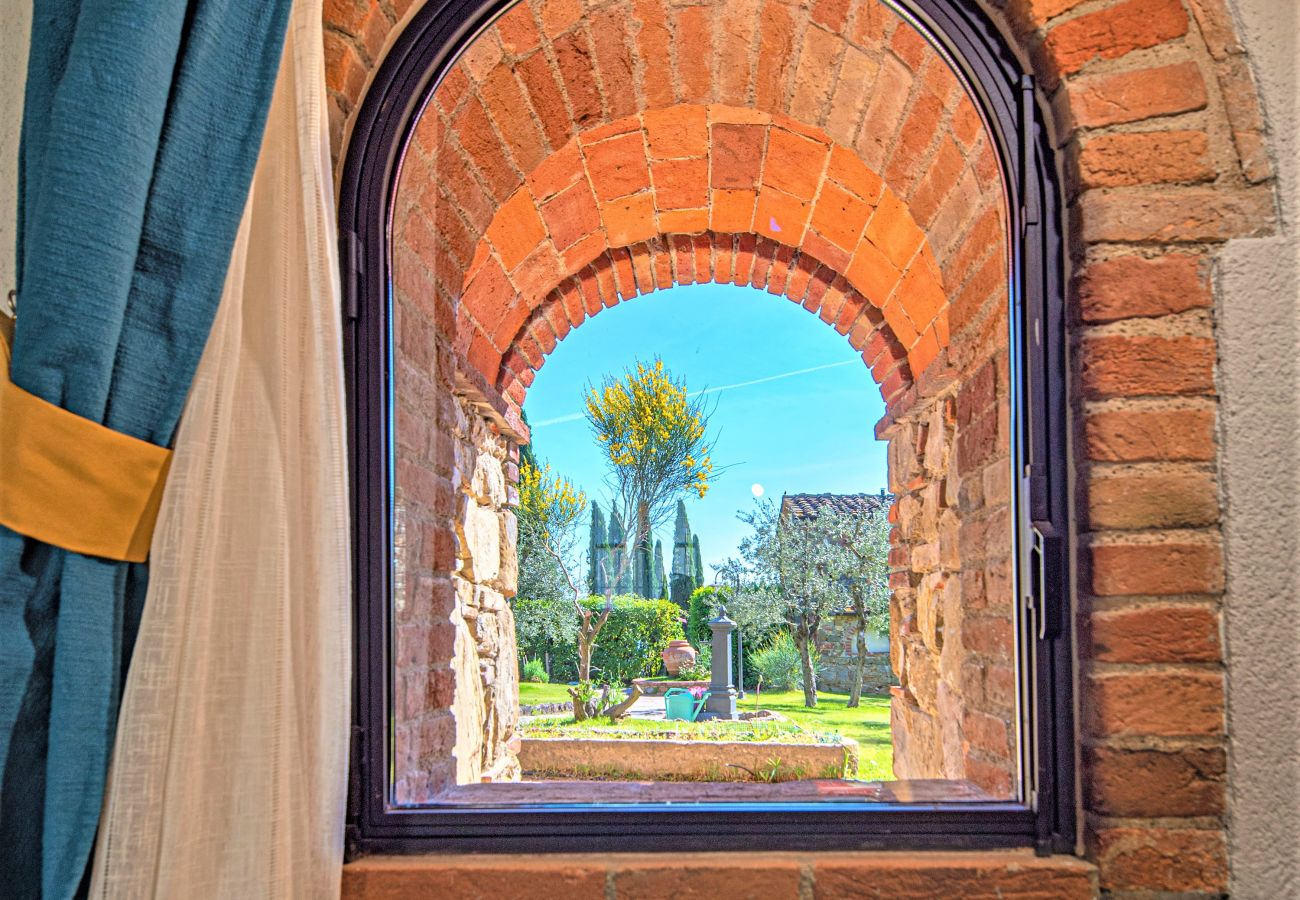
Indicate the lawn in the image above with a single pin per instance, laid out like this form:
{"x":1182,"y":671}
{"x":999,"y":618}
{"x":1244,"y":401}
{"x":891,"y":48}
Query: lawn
{"x":659,"y":729}
{"x":868,"y":724}
{"x":531,"y":694}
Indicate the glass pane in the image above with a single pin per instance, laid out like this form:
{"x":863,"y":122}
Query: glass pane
{"x":834,"y":472}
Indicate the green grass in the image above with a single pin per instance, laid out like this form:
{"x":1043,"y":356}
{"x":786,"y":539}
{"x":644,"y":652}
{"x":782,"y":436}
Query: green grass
{"x":659,"y":729}
{"x":868,"y":724}
{"x":531,"y":694}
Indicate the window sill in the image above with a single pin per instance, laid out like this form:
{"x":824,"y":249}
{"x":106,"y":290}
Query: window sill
{"x":577,"y":876}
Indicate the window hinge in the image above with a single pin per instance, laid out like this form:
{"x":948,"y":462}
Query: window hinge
{"x":354,"y":269}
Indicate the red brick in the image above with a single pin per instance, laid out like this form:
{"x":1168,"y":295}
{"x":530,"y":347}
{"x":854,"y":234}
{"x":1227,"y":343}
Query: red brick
{"x":681,"y":183}
{"x":617,"y":166}
{"x":1130,"y":286}
{"x":1155,"y":634}
{"x":794,"y":163}
{"x":571,"y":215}
{"x":518,"y":30}
{"x":1155,"y":783}
{"x":781,"y":216}
{"x":614,"y":61}
{"x":652,"y":40}
{"x":1165,"y":704}
{"x":1162,"y":859}
{"x":1134,"y":435}
{"x":887,"y":876}
{"x":872,"y":273}
{"x":1182,"y":214}
{"x":892,"y":230}
{"x":737,"y":156}
{"x":1181,"y":498}
{"x":678,"y":131}
{"x":775,"y":51}
{"x":840,"y":216}
{"x":574,"y":56}
{"x":694,"y":38}
{"x":547,"y":97}
{"x":1150,"y":157}
{"x":1132,"y":366}
{"x":1115,"y":31}
{"x":516,"y":230}
{"x":1113,"y":98}
{"x":732,"y":211}
{"x":1157,"y":569}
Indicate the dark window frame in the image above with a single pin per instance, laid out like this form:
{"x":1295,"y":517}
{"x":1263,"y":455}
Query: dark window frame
{"x":1004,"y":91}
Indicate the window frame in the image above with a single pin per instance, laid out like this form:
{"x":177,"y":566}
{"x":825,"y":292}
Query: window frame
{"x":1004,"y":91}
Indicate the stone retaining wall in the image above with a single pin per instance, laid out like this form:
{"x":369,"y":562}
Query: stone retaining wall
{"x":711,"y":760}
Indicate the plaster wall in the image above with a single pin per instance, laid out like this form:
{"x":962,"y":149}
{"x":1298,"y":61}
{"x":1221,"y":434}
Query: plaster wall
{"x":1259,"y":316}
{"x":15,"y":35}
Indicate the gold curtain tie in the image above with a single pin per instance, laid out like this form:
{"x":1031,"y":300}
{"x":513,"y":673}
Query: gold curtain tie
{"x":71,"y":482}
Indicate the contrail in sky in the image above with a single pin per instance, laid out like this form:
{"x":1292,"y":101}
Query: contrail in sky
{"x":573,"y":417}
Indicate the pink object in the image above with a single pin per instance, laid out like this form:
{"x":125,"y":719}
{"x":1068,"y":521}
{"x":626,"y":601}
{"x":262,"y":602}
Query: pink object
{"x":676,"y":655}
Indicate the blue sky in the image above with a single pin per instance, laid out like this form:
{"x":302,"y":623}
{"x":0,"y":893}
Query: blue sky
{"x":806,"y":427}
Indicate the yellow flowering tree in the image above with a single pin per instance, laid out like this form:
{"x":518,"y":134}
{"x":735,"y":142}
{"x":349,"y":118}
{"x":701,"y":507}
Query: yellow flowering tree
{"x":653,"y":436}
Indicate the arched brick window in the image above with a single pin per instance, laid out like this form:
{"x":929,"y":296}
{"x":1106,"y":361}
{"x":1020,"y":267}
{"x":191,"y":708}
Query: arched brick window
{"x":885,"y":169}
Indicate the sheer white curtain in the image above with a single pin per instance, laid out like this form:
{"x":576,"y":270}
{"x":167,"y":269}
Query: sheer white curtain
{"x":229,"y":772}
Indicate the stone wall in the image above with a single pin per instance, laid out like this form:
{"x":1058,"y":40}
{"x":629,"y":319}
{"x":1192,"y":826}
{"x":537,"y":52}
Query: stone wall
{"x":837,"y":648}
{"x":456,"y":695}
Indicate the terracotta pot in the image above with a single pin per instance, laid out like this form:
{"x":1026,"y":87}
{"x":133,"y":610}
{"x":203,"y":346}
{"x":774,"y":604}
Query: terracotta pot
{"x":676,"y":655}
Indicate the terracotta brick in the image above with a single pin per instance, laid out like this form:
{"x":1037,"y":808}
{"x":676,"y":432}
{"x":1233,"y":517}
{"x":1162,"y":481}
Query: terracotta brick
{"x":852,"y":92}
{"x":1155,"y":634}
{"x":571,"y":215}
{"x":781,"y":216}
{"x":819,"y":58}
{"x":840,"y":217}
{"x":877,"y":876}
{"x":1131,"y":286}
{"x":1180,"y":498}
{"x":1162,"y":859}
{"x":776,"y":31}
{"x":504,"y":99}
{"x":694,"y":37}
{"x":849,"y":172}
{"x":1115,"y":160}
{"x":475,"y":134}
{"x":575,"y":58}
{"x":733,"y":62}
{"x":683,"y":221}
{"x":458,"y":878}
{"x":1158,"y":569}
{"x":1120,"y":366}
{"x":893,"y":232}
{"x":1113,"y":32}
{"x":1155,"y":783}
{"x":830,"y":254}
{"x":872,"y":273}
{"x":1183,"y":214}
{"x":681,"y":183}
{"x":731,"y":210}
{"x":652,"y":40}
{"x":516,"y":230}
{"x":1113,"y":98}
{"x":547,"y":97}
{"x":518,"y":30}
{"x":1134,"y":435}
{"x":794,"y":164}
{"x":584,"y":251}
{"x":940,"y":177}
{"x":630,"y":219}
{"x":678,"y":131}
{"x":921,"y":295}
{"x":914,"y":139}
{"x":1217,"y":28}
{"x":617,"y":167}
{"x":737,"y":156}
{"x":614,"y":61}
{"x":344,"y":70}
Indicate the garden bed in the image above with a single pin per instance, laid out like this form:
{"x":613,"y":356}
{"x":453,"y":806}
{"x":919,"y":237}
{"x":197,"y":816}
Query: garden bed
{"x":683,"y":751}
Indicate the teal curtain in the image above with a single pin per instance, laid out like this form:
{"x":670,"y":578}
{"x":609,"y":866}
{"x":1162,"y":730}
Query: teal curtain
{"x":141,"y":128}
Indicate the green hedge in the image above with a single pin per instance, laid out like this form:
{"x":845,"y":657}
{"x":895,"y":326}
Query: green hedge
{"x":629,"y":646}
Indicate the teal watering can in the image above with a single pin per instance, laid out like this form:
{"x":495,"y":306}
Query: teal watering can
{"x":680,"y":704}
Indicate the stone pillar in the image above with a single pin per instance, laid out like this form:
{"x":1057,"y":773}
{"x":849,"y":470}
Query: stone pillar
{"x":722,"y":693}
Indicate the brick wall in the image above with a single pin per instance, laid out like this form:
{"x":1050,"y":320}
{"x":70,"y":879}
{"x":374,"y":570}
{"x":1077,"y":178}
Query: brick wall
{"x":1163,"y":146}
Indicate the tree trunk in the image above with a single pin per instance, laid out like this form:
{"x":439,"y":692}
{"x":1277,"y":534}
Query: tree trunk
{"x":860,"y":642}
{"x":804,"y":642}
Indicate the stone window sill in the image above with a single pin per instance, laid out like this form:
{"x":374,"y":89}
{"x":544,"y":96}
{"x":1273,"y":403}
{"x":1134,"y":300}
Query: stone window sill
{"x":1004,"y":873}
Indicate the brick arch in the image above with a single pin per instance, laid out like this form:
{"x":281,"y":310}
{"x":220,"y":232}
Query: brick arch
{"x":700,"y":171}
{"x":742,"y":259}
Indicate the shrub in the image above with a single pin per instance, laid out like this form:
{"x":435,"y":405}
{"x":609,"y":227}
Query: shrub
{"x":534,"y":672}
{"x":778,"y":664}
{"x":630,"y":644}
{"x":701,"y":669}
{"x":701,"y":607}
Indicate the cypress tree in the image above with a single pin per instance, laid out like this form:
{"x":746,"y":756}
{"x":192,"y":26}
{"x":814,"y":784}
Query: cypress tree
{"x":597,"y":552}
{"x":615,"y":554}
{"x":657,"y":583}
{"x":697,"y":561}
{"x":680,"y":586}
